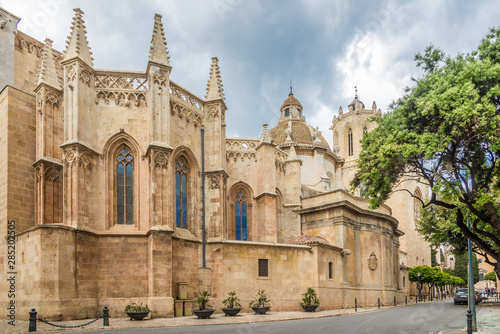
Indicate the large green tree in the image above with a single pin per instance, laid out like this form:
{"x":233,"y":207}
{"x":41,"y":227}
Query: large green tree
{"x":461,"y":269}
{"x":444,"y":133}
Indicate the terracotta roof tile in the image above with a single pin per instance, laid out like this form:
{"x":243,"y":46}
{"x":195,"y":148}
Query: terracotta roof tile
{"x":306,"y":239}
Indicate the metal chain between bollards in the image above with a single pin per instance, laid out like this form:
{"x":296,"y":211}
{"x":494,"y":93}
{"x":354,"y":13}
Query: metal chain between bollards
{"x":33,"y":319}
{"x":69,"y":326}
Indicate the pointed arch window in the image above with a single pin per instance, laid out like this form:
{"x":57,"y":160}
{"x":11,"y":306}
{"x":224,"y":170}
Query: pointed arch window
{"x":124,"y":186}
{"x":350,"y":146}
{"x":240,"y":203}
{"x":181,"y":195}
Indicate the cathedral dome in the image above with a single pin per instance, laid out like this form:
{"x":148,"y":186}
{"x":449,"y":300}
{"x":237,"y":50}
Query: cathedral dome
{"x":291,"y":101}
{"x":300,"y":133}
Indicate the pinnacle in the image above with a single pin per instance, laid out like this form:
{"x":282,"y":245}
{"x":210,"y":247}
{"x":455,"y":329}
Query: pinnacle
{"x":214,"y":86}
{"x":158,"y":52}
{"x":48,"y":72}
{"x":77,"y":45}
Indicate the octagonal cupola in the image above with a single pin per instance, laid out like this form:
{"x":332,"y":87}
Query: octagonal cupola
{"x":291,"y":109}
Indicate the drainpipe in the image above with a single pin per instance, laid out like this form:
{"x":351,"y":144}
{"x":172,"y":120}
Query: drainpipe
{"x":203,"y":194}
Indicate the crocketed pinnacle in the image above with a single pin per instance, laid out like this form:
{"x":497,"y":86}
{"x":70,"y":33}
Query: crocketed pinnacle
{"x":158,"y":52}
{"x":214,"y":86}
{"x":76,"y":44}
{"x":48,"y":72}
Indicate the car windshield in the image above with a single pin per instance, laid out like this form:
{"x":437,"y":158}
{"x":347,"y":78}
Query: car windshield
{"x":461,"y":292}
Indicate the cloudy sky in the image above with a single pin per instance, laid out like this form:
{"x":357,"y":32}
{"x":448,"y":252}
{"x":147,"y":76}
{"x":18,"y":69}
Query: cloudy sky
{"x":325,"y":47}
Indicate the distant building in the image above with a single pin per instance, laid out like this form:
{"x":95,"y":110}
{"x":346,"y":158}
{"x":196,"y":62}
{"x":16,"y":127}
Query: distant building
{"x":111,"y":175}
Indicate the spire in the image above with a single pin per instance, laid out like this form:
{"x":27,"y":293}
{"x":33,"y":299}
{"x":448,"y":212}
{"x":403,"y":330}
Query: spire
{"x":356,"y":92}
{"x":265,"y":137}
{"x":341,"y":112}
{"x":214,"y":86}
{"x":291,"y":92}
{"x":374,"y":106}
{"x":158,"y":52}
{"x":77,"y":45}
{"x":48,"y":72}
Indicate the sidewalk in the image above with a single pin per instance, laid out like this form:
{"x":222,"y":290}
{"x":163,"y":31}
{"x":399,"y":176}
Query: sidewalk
{"x":487,"y":321}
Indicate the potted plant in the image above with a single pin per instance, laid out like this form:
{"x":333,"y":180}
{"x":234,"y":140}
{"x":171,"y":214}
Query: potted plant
{"x":202,"y":312}
{"x":137,"y":312}
{"x":233,"y":306}
{"x":261,"y":304}
{"x":310,"y":301}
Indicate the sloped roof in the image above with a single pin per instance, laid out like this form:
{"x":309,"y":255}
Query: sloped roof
{"x":306,"y":239}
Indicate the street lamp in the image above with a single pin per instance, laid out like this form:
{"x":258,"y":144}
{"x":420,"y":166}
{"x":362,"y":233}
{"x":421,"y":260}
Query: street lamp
{"x":419,"y":286}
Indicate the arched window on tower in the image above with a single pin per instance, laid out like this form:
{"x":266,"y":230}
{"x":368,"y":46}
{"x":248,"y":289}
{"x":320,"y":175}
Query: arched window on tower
{"x":124,"y":186}
{"x":350,"y":145}
{"x":181,"y":184}
{"x":240,"y":208}
{"x":417,"y":204}
{"x":287,"y":112}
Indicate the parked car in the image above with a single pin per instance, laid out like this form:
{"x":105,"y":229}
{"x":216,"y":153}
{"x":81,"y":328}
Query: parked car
{"x":461,"y":296}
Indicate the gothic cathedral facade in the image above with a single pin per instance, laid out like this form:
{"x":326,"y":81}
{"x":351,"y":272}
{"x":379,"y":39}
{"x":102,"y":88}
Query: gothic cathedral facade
{"x":123,"y":184}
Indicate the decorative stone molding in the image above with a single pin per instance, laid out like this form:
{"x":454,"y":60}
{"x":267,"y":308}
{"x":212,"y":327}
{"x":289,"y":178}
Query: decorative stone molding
{"x":160,"y":77}
{"x":212,"y":110}
{"x":126,"y":89}
{"x":213,"y":182}
{"x":85,"y":77}
{"x":372,"y":261}
{"x":189,"y":114}
{"x":71,"y":73}
{"x":184,"y":95}
{"x":52,"y":98}
{"x":161,"y":160}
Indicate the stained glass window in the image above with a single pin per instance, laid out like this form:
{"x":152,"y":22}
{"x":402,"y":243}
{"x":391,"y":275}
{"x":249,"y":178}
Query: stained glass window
{"x":181,"y":182}
{"x":124,"y":186}
{"x":350,"y":142}
{"x":241,"y":215}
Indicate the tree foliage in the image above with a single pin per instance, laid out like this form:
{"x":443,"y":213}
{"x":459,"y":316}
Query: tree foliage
{"x":433,"y":257}
{"x":461,"y":269}
{"x":490,"y":276}
{"x":444,"y":133}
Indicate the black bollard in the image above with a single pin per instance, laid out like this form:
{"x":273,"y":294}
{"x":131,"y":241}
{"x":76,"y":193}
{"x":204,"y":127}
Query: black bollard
{"x":394,"y":301}
{"x":416,"y":299}
{"x":424,"y":298}
{"x":105,"y":316}
{"x":32,"y":325}
{"x":378,"y":301}
{"x":406,"y":300}
{"x":355,"y":304}
{"x":469,"y":322}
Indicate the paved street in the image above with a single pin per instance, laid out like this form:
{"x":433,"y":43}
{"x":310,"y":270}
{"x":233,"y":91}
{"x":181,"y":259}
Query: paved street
{"x":415,"y":319}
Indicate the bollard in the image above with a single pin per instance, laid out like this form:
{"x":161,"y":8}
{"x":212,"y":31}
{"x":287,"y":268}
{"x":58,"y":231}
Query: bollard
{"x":32,"y":324}
{"x":424,"y":298}
{"x":378,"y":301}
{"x":406,"y":300}
{"x":469,"y":322}
{"x":105,"y":316}
{"x":394,"y":301}
{"x":416,"y":299}
{"x":355,"y":304}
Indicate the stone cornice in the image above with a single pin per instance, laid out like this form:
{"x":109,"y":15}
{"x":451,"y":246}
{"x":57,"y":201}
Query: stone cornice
{"x":262,"y":194}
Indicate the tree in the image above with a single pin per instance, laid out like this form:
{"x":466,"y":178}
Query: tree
{"x":461,"y":269}
{"x":441,"y":256}
{"x":433,"y":257}
{"x":444,"y":133}
{"x":490,"y":276}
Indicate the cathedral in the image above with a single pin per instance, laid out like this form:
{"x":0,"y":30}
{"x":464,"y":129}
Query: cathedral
{"x":123,"y":187}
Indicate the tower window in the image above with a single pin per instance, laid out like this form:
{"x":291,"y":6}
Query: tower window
{"x":240,"y":205}
{"x":181,"y":171}
{"x":287,"y":112}
{"x":350,"y":144}
{"x":330,"y":270}
{"x":124,"y":186}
